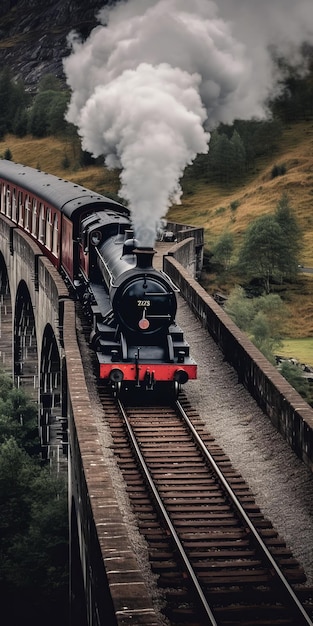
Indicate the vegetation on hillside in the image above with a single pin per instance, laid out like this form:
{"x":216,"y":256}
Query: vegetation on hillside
{"x":269,"y":252}
{"x":33,"y":519}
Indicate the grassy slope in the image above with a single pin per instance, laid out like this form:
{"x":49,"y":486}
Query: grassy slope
{"x":259,"y":193}
{"x":209,"y":206}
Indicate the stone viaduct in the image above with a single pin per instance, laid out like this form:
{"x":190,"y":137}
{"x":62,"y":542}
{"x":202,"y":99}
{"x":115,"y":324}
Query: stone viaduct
{"x":38,"y":345}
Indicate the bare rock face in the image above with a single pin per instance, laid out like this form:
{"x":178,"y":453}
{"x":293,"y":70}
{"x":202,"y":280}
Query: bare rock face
{"x":33,"y":34}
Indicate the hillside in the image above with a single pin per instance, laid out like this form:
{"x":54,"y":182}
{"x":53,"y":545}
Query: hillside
{"x":209,"y":206}
{"x":202,"y":204}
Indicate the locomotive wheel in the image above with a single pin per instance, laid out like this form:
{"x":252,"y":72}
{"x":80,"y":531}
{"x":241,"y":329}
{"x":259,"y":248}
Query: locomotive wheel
{"x":170,"y":390}
{"x":176,"y":389}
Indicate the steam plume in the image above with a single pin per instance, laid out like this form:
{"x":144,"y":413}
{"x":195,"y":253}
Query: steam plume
{"x":155,"y":75}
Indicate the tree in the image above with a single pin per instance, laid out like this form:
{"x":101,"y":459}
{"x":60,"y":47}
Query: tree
{"x":39,"y":114}
{"x":288,"y":223}
{"x":262,"y":319}
{"x":33,"y":519}
{"x":47,"y":113}
{"x":295,"y":101}
{"x":265,"y":251}
{"x":13,"y":99}
{"x":20,"y":123}
{"x":16,"y":474}
{"x":223,"y":249}
{"x":295,"y":377}
{"x":275,"y":311}
{"x":266,"y":136}
{"x":271,"y":246}
{"x":258,"y":137}
{"x":57,"y":123}
{"x":18,"y":417}
{"x":260,"y":333}
{"x":34,"y":564}
{"x":240,"y":308}
{"x":239,"y":155}
{"x":5,"y":100}
{"x":222,"y":157}
{"x":8,"y":154}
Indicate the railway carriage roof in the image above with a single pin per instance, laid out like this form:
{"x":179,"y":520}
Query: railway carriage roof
{"x":64,"y":195}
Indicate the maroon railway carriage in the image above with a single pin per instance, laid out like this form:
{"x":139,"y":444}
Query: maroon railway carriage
{"x":50,"y":210}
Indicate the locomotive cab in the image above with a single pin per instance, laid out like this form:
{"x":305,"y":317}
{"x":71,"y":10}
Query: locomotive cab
{"x":95,"y":229}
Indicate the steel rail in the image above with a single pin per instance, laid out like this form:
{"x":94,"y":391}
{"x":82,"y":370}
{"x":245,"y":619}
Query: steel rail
{"x":167,"y":519}
{"x":305,"y":617}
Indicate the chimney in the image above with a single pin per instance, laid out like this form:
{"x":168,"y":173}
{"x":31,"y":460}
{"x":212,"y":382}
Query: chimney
{"x":144,"y":257}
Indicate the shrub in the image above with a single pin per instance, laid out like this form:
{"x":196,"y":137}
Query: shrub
{"x":278,"y":170}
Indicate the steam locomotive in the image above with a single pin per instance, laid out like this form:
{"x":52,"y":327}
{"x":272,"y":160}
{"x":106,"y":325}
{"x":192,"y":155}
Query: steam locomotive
{"x":131,"y":306}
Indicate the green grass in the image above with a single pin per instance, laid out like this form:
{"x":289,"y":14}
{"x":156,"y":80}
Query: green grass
{"x":300,"y":349}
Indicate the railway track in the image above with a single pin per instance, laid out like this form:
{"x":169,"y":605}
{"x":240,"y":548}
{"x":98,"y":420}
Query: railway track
{"x":218,"y":560}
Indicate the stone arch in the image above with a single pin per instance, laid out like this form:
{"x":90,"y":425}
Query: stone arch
{"x":52,"y":424}
{"x":25,"y":350}
{"x":6,"y":347}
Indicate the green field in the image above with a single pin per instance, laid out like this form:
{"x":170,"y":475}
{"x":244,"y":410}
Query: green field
{"x":300,"y":349}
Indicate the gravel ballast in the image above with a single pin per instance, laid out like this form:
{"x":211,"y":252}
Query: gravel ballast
{"x":279,"y":480}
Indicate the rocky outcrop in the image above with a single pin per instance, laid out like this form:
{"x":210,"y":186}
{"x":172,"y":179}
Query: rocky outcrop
{"x":33,"y":34}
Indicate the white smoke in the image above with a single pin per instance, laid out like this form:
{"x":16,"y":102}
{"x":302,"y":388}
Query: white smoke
{"x":155,"y":75}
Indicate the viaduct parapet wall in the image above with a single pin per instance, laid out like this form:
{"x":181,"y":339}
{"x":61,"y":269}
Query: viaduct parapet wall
{"x":289,"y":413}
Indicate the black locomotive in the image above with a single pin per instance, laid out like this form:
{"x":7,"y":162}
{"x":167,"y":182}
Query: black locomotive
{"x":131,"y":305}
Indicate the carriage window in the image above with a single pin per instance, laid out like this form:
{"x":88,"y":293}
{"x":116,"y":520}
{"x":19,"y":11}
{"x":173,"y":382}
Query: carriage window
{"x":49,"y":229}
{"x":55,"y":236}
{"x":34,"y":218}
{"x":27,"y":212}
{"x":8,"y":202}
{"x":3,"y":198}
{"x":20,"y":208}
{"x":42,"y":223}
{"x":14,"y":206}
